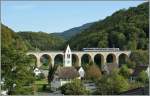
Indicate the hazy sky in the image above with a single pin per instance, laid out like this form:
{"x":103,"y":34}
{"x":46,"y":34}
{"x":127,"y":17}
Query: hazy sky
{"x":57,"y":16}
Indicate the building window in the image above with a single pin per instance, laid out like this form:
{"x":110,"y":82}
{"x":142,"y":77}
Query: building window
{"x":68,"y":55}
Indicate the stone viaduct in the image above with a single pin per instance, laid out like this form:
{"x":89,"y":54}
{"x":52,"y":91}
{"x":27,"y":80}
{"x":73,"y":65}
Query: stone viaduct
{"x":103,"y":55}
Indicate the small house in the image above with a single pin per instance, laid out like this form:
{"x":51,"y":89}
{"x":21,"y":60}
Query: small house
{"x":37,"y":71}
{"x":64,"y":75}
{"x":67,"y":73}
{"x":81,"y":72}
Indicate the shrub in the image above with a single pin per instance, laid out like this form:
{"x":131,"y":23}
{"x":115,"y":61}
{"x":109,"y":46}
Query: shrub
{"x":143,"y":77}
{"x":111,"y":84}
{"x":131,"y":64}
{"x":125,"y":71}
{"x":40,"y":76}
{"x":23,"y":91}
{"x":140,"y":57}
{"x":92,"y":72}
{"x":74,"y":88}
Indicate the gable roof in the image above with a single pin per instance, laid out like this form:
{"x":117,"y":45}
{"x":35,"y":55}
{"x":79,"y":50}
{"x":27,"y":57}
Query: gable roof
{"x":66,"y":73}
{"x":77,"y":68}
{"x":67,"y":48}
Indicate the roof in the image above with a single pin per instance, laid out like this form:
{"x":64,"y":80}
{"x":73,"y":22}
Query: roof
{"x":139,"y":69}
{"x":67,"y":73}
{"x":77,"y":67}
{"x":67,"y":48}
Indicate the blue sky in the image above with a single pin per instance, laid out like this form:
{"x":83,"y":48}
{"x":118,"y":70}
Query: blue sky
{"x":57,"y":16}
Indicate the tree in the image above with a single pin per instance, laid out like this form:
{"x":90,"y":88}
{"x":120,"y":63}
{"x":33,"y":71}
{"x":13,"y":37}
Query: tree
{"x":120,"y":84}
{"x":41,"y":40}
{"x":92,"y":72}
{"x":132,"y":45}
{"x":51,"y":72}
{"x":140,"y":57}
{"x":74,"y":88}
{"x":143,"y":77}
{"x":118,"y":39}
{"x":125,"y":71}
{"x":131,"y":64}
{"x":125,"y":29}
{"x":16,"y":71}
{"x":111,"y":84}
{"x":104,"y":86}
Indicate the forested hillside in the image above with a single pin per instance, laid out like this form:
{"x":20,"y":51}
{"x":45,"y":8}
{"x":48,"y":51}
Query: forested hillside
{"x":127,"y":29}
{"x":15,"y":64}
{"x":42,"y":41}
{"x":11,"y":39}
{"x":73,"y":31}
{"x":30,"y":40}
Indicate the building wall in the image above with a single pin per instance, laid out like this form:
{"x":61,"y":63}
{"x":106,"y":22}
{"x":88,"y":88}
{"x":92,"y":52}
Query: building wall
{"x":58,"y":83}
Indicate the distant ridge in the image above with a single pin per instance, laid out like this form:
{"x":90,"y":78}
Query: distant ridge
{"x":73,"y":31}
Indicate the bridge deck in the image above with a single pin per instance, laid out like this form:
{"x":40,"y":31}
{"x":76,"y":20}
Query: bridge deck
{"x":76,"y":51}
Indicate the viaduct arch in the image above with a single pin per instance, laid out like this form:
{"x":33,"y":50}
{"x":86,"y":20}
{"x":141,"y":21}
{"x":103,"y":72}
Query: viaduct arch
{"x":101,"y":58}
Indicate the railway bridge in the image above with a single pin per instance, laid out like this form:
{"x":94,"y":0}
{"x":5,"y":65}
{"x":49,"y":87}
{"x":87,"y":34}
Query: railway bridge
{"x":102,"y":56}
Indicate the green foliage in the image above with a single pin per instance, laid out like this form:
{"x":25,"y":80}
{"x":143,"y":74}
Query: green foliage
{"x":51,"y":72}
{"x":74,"y":88}
{"x":23,"y":91}
{"x":15,"y":69}
{"x":131,"y":64}
{"x":118,"y":38}
{"x":124,"y":71}
{"x":15,"y":64}
{"x":40,"y":76}
{"x":42,"y":41}
{"x":92,"y":72}
{"x":125,"y":29}
{"x":42,"y":86}
{"x":44,"y":67}
{"x":140,"y":57}
{"x":73,"y":31}
{"x":111,"y":84}
{"x":135,"y":84}
{"x":120,"y":84}
{"x":143,"y":77}
{"x":11,"y":39}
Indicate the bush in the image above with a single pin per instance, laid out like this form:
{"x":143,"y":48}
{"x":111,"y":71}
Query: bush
{"x":143,"y":77}
{"x":125,"y":71}
{"x":131,"y":64}
{"x":140,"y":57}
{"x":74,"y":88}
{"x":23,"y":91}
{"x":135,"y":84}
{"x":40,"y":76}
{"x":93,"y":72}
{"x":111,"y":84}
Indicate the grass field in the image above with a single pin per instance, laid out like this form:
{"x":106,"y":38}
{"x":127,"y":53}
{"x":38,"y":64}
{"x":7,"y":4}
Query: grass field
{"x":41,"y":82}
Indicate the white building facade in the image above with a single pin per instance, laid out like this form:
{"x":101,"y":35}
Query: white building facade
{"x":68,"y":57}
{"x":66,"y":73}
